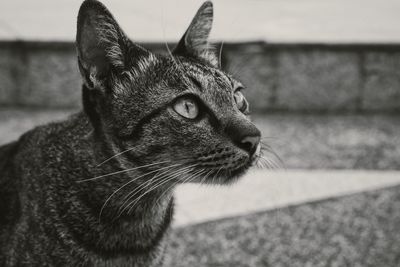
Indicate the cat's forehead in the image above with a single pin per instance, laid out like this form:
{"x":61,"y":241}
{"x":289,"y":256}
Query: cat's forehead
{"x":177,"y":70}
{"x":213,"y":85}
{"x":207,"y":73}
{"x":208,"y":78}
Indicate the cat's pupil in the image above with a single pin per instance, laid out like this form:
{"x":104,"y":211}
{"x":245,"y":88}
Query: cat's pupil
{"x":186,"y":107}
{"x":190,"y":107}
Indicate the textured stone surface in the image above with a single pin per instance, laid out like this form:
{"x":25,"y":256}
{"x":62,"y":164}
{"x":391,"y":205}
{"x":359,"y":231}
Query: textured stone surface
{"x":52,"y":80}
{"x":382,"y":81}
{"x":333,"y":141}
{"x":8,"y":88}
{"x":318,"y":80}
{"x":293,"y":77}
{"x":255,"y":69}
{"x":359,"y":230}
{"x":14,"y":122}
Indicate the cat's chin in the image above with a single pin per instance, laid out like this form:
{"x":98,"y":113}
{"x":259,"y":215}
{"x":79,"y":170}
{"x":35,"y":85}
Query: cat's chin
{"x":225,"y":177}
{"x":234,"y":175}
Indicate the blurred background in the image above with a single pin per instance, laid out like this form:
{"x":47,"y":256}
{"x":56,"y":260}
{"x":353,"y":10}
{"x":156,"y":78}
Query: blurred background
{"x":323,"y":82}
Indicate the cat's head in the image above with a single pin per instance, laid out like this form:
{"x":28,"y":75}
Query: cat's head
{"x":178,"y":114}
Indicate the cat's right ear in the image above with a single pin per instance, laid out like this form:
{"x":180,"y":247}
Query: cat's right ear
{"x":194,"y":42}
{"x":102,"y":45}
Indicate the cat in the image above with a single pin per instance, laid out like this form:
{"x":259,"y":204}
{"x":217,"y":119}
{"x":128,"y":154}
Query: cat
{"x":97,"y":188}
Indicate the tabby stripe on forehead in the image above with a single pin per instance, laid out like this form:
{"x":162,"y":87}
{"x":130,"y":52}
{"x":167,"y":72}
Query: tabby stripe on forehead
{"x":196,"y":83}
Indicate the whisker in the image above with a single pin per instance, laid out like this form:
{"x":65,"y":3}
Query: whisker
{"x":216,"y":175}
{"x":184,"y":181}
{"x":238,"y":66}
{"x":220,"y":54}
{"x":129,"y":182}
{"x":122,"y":171}
{"x":148,"y":182}
{"x":154,"y":187}
{"x":270,"y":164}
{"x":267,"y":138}
{"x":262,"y":163}
{"x":205,"y":177}
{"x":267,"y":148}
{"x":137,"y":190}
{"x":174,"y":173}
{"x":116,"y":155}
{"x":134,"y":202}
{"x":280,"y":162}
{"x":197,"y":174}
{"x":165,"y":42}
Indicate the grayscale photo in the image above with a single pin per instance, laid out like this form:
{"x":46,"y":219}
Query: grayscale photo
{"x":198,"y":133}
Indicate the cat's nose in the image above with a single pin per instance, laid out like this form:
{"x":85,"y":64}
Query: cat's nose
{"x":250,"y":143}
{"x":244,"y":134}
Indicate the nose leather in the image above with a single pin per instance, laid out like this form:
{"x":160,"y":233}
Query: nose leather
{"x":244,"y":134}
{"x":251,"y":142}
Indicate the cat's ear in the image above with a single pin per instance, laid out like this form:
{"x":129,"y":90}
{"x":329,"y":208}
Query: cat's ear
{"x":102,"y":45}
{"x":194,"y":42}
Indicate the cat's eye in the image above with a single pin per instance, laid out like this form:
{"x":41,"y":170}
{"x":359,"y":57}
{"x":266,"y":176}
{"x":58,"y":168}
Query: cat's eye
{"x":186,"y":107}
{"x":241,"y":102}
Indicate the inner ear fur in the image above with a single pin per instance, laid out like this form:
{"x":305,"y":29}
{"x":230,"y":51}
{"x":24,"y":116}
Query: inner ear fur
{"x":194,"y":42}
{"x":100,"y":42}
{"x":102,"y":45}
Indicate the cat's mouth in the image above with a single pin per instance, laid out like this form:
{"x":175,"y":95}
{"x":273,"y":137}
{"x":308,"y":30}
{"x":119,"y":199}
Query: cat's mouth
{"x":237,"y":173}
{"x":223,"y":166}
{"x":223,"y":175}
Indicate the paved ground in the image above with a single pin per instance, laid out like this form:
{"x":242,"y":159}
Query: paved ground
{"x":265,"y":190}
{"x":361,"y":230}
{"x":271,"y":20}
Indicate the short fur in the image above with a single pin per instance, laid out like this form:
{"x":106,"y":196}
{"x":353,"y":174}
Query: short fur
{"x":96,"y":189}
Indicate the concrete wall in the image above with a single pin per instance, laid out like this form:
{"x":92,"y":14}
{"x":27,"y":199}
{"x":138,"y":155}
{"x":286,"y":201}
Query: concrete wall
{"x":278,"y":77}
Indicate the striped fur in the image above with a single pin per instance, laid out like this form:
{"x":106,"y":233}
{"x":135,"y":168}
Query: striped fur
{"x":97,"y":188}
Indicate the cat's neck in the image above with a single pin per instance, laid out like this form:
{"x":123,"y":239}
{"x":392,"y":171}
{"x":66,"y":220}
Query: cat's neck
{"x":97,"y":221}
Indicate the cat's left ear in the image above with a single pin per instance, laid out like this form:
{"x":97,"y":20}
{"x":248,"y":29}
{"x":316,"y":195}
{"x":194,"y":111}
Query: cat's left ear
{"x":103,"y":48}
{"x":194,"y":42}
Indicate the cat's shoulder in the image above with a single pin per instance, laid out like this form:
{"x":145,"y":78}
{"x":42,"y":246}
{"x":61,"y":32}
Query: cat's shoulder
{"x":43,"y":137}
{"x":73,"y":125}
{"x":6,"y":153}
